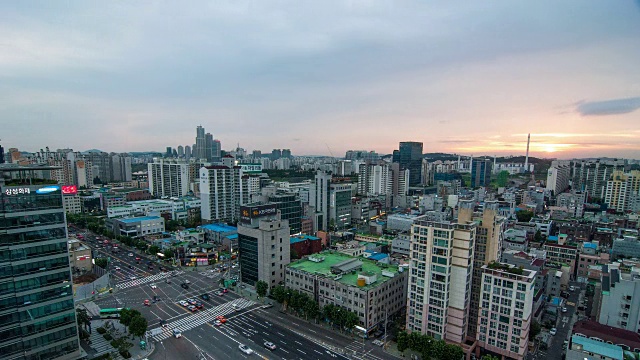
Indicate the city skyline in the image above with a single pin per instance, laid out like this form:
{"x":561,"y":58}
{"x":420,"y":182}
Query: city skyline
{"x":471,"y":79}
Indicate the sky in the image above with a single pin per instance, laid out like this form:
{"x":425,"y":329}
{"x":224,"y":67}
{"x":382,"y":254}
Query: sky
{"x":323,"y":77}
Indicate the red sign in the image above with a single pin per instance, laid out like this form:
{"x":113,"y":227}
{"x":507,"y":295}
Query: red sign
{"x":69,"y":189}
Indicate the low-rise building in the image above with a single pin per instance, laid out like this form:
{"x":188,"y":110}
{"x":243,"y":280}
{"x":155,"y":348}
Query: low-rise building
{"x":626,"y":247}
{"x":216,"y":233}
{"x":72,"y":204}
{"x":400,"y":222}
{"x":373,"y":291}
{"x":136,"y":226}
{"x":515,"y":239}
{"x":80,"y":257}
{"x":627,"y":340}
{"x":583,"y":348}
{"x":401,"y":244}
{"x":562,"y":254}
{"x":304,"y":245}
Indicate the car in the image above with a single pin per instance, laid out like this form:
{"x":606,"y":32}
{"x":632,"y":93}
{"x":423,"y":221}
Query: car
{"x":118,"y":268}
{"x":192,"y":308}
{"x":222,"y":319}
{"x":217,"y":323}
{"x":191,"y":301}
{"x":378,"y":333}
{"x":184,"y":286}
{"x":130,"y":254}
{"x":147,"y":303}
{"x":130,"y":267}
{"x":564,"y":309}
{"x":219,"y":293}
{"x":378,"y":342}
{"x":199,"y":305}
{"x":245,"y":349}
{"x":235,"y":307}
{"x":153,"y":286}
{"x":205,"y":296}
{"x":269,"y":345}
{"x":572,"y":288}
{"x":224,"y":291}
{"x":553,"y":331}
{"x":132,"y":277}
{"x":138,"y":258}
{"x":183,"y":303}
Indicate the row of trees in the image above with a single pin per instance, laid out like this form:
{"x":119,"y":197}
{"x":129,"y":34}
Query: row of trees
{"x":428,"y":347}
{"x":134,"y":321}
{"x":303,"y":305}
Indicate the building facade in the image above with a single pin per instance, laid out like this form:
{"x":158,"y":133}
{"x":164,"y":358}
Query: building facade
{"x":168,"y":178}
{"x":220,"y":193}
{"x":37,"y":314}
{"x":619,"y":305}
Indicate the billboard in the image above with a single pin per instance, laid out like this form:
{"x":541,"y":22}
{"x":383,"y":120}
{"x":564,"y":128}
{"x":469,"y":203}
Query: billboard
{"x":69,"y":189}
{"x":250,"y":168}
{"x":247,"y":213}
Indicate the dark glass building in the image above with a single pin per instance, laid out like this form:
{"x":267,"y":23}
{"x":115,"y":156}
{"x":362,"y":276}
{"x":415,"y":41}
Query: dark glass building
{"x":37,"y":314}
{"x":409,"y":156}
{"x":290,"y":208}
{"x":480,"y":173}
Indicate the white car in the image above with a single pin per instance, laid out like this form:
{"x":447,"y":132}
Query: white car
{"x":130,"y":254}
{"x":183,"y":303}
{"x":132,"y":277}
{"x":153,"y":286}
{"x":118,"y":268}
{"x":245,"y":349}
{"x":572,"y":288}
{"x":269,"y":345}
{"x":564,"y":309}
{"x":553,"y":331}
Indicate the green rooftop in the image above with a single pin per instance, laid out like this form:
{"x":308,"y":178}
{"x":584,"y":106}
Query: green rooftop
{"x":323,"y":268}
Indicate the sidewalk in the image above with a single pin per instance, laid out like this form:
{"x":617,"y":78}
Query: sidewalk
{"x":99,"y":345}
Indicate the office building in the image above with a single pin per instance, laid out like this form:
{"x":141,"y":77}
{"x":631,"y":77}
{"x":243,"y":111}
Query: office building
{"x":288,"y":205}
{"x":263,"y":245}
{"x":619,"y":305}
{"x":488,"y":247}
{"x":168,"y":178}
{"x":136,"y":226}
{"x":409,"y":156}
{"x":375,"y":292}
{"x":558,"y":176}
{"x":37,"y":316}
{"x":72,"y":203}
{"x":220,"y":193}
{"x":375,"y":179}
{"x":480,"y":173}
{"x":319,"y":200}
{"x":505,"y":312}
{"x":440,"y":271}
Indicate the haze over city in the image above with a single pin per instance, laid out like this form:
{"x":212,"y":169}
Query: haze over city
{"x":462,"y":77}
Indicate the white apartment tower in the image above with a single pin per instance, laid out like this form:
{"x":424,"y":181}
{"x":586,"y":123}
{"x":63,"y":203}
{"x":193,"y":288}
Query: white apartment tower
{"x":168,"y":178}
{"x":441,"y":263}
{"x":505,"y":312}
{"x":375,"y":179}
{"x":220,"y":193}
{"x":558,"y":176}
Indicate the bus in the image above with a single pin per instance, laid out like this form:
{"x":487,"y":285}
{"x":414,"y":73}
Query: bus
{"x":110,"y":313}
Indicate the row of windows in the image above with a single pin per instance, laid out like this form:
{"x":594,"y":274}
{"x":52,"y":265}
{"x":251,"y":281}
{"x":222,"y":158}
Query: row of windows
{"x":30,"y":202}
{"x":43,"y":341}
{"x":33,"y":267}
{"x":34,"y":283}
{"x":33,"y":236}
{"x":37,"y":327}
{"x":31,"y":220}
{"x":33,"y":251}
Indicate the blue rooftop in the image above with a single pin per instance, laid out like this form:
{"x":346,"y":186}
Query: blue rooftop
{"x":552,"y":238}
{"x":378,"y":256}
{"x":232,"y":236}
{"x":590,"y":245}
{"x":556,"y":301}
{"x":137,"y":219}
{"x":219,"y":228}
{"x":302,"y":237}
{"x":600,"y":348}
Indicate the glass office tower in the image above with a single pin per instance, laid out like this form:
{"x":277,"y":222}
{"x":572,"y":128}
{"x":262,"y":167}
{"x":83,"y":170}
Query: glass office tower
{"x":37,"y":315}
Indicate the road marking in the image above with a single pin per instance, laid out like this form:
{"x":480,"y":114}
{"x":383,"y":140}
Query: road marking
{"x":302,"y":351}
{"x":297,"y":342}
{"x":284,"y":350}
{"x":281,"y":334}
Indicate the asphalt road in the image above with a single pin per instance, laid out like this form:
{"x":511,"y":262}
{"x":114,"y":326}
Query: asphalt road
{"x":564,"y":325}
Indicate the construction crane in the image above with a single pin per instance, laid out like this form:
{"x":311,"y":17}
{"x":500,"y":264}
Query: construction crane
{"x":330,"y":152}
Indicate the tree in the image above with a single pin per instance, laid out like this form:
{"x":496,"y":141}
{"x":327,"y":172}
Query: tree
{"x":311,"y":309}
{"x":524,"y":215}
{"x":102,"y":262}
{"x":172,"y":225}
{"x":534,"y":330}
{"x":83,"y":318}
{"x":278,"y":293}
{"x":138,"y":326}
{"x":538,"y":236}
{"x":351,"y":319}
{"x":168,"y":253}
{"x":403,"y":341}
{"x":452,"y":352}
{"x":127,"y":315}
{"x":261,"y":288}
{"x":489,"y":357}
{"x":154,"y":249}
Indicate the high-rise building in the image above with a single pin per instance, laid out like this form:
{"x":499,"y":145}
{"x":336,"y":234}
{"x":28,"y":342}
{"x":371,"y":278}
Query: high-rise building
{"x":319,"y":200}
{"x":276,"y":154}
{"x":256,"y":154}
{"x":558,"y":176}
{"x":180,"y":151}
{"x":263,"y":243}
{"x":168,"y":177}
{"x":591,"y":176}
{"x":506,"y":310}
{"x":623,"y":190}
{"x":286,"y":153}
{"x":169,"y":152}
{"x":287,"y":203}
{"x":1,"y":155}
{"x":487,"y":248}
{"x":619,"y":305}
{"x":216,"y":156}
{"x":363,"y":155}
{"x":121,"y":167}
{"x":208,"y":147}
{"x":440,"y":270}
{"x":187,"y":151}
{"x":37,"y":320}
{"x":199,"y":151}
{"x":375,"y":179}
{"x":409,"y":156}
{"x":220,"y":193}
{"x":480,"y":173}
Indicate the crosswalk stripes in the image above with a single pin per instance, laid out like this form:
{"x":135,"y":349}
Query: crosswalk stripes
{"x":356,"y":348}
{"x":148,"y":279}
{"x":202,"y":317}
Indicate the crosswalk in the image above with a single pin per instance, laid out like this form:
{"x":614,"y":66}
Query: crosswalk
{"x":211,"y":274}
{"x":201,"y":317}
{"x":148,"y":279}
{"x":357,"y":350}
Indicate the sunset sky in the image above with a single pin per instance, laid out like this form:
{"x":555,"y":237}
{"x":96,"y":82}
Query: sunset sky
{"x":468,"y":77}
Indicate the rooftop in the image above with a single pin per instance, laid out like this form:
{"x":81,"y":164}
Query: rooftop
{"x":219,"y":228}
{"x":597,"y":347}
{"x":323,"y":268}
{"x":137,"y":219}
{"x":607,"y":333}
{"x":299,"y":238}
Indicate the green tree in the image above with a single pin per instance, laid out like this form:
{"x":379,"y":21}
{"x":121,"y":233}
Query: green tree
{"x":503,"y":178}
{"x":168,"y":253}
{"x":312,"y":309}
{"x":83,"y":318}
{"x":102,"y":262}
{"x":279,"y":293}
{"x":138,"y":326}
{"x":403,"y":341}
{"x":154,"y":249}
{"x":127,"y":315}
{"x":524,"y":215}
{"x":538,"y":236}
{"x":261,"y":288}
{"x":351,"y":319}
{"x":172,"y":225}
{"x":452,"y":352}
{"x":534,"y":330}
{"x":438,"y":349}
{"x":489,"y":357}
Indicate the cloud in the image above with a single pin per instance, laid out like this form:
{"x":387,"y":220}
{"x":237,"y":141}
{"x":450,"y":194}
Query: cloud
{"x":609,"y":107}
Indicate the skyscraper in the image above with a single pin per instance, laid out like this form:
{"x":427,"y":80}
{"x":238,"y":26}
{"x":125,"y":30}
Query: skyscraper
{"x":180,"y":151}
{"x":409,"y":156}
{"x":199,"y":147}
{"x":220,"y":192}
{"x":37,"y":318}
{"x":1,"y":155}
{"x":168,"y":178}
{"x":286,"y":153}
{"x":187,"y":151}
